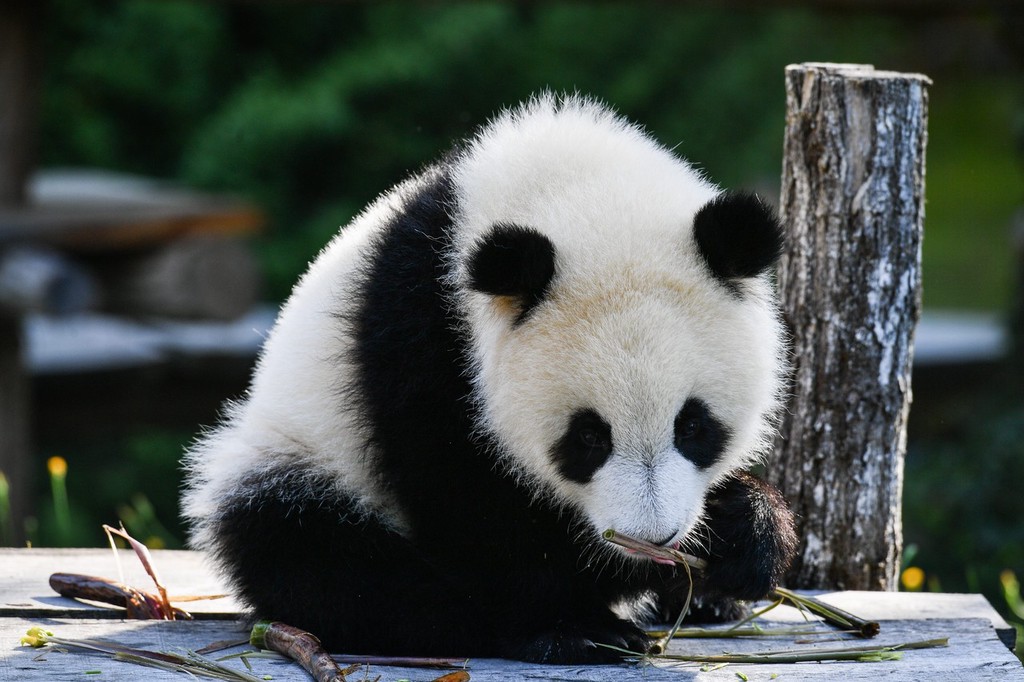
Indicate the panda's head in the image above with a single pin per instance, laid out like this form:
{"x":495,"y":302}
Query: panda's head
{"x":626,"y":352}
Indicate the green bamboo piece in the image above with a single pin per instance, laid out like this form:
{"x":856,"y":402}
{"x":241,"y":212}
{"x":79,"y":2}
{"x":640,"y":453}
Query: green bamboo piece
{"x":832,"y":614}
{"x":862,"y":653}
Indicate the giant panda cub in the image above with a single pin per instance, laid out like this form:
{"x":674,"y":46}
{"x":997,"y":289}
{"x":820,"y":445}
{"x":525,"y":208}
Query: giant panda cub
{"x":559,"y":328}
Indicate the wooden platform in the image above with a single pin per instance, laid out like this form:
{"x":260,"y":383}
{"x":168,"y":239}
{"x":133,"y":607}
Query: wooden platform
{"x":975,"y":651}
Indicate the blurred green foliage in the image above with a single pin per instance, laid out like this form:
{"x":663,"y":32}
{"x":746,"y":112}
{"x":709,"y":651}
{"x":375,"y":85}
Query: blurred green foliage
{"x":962,"y":506}
{"x":1015,"y":605}
{"x":313,"y":109}
{"x":134,"y":479}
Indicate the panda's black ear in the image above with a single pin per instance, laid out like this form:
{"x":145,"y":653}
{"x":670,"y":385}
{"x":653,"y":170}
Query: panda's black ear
{"x":513,"y":261}
{"x":738,"y":235}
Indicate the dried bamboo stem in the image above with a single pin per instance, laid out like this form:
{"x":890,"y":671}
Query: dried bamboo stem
{"x":654,"y":552}
{"x":298,"y":645}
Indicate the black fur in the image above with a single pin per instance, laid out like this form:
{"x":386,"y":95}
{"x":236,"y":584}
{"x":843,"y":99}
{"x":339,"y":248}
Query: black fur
{"x":483,"y":569}
{"x":738,"y":235}
{"x":699,"y":436}
{"x":752,"y":538}
{"x":513,"y":261}
{"x":748,"y":542}
{"x":300,"y":553}
{"x":586,"y":445}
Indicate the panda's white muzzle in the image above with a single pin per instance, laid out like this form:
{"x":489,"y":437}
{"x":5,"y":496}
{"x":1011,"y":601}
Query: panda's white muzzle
{"x":659,"y":499}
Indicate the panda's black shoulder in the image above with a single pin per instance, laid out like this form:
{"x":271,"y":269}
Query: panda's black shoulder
{"x":406,"y":255}
{"x":401,"y":292}
{"x":408,"y":356}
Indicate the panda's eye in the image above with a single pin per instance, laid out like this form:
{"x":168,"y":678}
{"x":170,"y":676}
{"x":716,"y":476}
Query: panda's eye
{"x":688,"y":428}
{"x":594,"y":440}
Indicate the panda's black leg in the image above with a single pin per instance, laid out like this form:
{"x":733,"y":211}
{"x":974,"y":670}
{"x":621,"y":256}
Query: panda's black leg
{"x":595,"y":639}
{"x":748,"y":540}
{"x":310,"y":559}
{"x":300,"y":554}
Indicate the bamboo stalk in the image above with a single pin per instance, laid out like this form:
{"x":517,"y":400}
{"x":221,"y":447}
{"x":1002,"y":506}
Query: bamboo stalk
{"x":861,"y":653}
{"x":729,"y":633}
{"x":832,"y":614}
{"x":146,"y":559}
{"x":402,"y":661}
{"x":654,"y":552}
{"x":190,"y":662}
{"x":299,"y":645}
{"x":661,"y":645}
{"x":394,"y":661}
{"x":138,"y":603}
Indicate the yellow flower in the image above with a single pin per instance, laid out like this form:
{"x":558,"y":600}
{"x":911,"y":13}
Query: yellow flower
{"x":57,"y":466}
{"x":912,"y":578}
{"x":36,"y":637}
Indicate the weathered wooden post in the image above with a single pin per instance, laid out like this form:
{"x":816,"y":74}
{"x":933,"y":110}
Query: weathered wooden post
{"x":850,"y":283}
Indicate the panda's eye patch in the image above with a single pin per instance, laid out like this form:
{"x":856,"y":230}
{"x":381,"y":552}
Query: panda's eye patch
{"x":585,"y":446}
{"x":594,"y":438}
{"x":699,"y":436}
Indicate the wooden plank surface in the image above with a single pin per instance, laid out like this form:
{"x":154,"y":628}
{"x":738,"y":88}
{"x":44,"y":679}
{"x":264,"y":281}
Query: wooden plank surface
{"x":974,"y":652}
{"x":25,"y":590}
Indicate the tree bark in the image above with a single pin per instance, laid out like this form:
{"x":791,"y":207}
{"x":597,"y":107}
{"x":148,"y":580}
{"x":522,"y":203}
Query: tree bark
{"x":850,"y":284}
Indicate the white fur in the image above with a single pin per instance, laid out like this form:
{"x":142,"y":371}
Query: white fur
{"x":294,"y":408}
{"x":632,"y":325}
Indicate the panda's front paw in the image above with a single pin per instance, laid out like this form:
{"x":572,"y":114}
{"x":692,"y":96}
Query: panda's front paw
{"x":751,"y":539}
{"x":703,"y":608}
{"x":717,"y":610}
{"x":581,"y":643}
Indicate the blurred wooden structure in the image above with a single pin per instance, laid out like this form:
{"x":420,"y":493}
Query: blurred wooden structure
{"x":151,"y":251}
{"x":84,"y":240}
{"x":157,"y":252}
{"x":97,"y":240}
